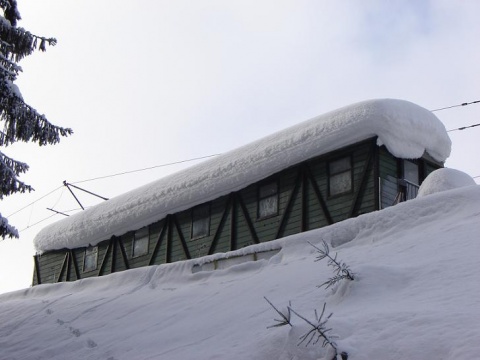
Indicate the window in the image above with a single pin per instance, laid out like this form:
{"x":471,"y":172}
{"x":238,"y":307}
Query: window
{"x":268,"y":200}
{"x":340,"y":176}
{"x":410,"y":172}
{"x":200,"y":221}
{"x":410,"y":183}
{"x":140,"y":242}
{"x":90,"y":259}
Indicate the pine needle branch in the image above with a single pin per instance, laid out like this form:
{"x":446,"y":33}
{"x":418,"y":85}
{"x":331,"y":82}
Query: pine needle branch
{"x":318,"y":330}
{"x":342,"y":270}
{"x":285,"y":317}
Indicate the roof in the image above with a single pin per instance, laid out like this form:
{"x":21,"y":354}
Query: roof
{"x":406,"y":129}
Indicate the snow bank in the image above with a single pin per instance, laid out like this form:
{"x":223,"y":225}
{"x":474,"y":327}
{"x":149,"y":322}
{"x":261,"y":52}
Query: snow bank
{"x":406,"y":129}
{"x":414,"y":297}
{"x":444,"y":179}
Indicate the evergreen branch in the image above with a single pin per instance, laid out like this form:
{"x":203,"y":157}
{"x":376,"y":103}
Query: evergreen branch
{"x":23,"y":123}
{"x":18,"y":43}
{"x":6,"y":229}
{"x":286,"y":317}
{"x":9,"y":171}
{"x":342,"y":270}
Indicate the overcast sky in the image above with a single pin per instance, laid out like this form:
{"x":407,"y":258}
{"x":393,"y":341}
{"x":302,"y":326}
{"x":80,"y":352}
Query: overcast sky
{"x":147,"y":83}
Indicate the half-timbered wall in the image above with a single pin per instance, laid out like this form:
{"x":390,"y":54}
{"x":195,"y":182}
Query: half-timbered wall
{"x":304,"y":203}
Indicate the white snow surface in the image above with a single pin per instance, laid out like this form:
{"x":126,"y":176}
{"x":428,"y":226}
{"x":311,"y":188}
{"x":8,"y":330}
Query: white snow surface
{"x":415,"y":296}
{"x":444,"y":179}
{"x":406,"y":129}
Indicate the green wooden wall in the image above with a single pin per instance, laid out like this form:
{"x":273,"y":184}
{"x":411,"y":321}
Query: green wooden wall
{"x":304,"y":204}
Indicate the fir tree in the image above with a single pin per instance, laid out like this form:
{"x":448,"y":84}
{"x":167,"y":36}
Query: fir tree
{"x":20,"y":121}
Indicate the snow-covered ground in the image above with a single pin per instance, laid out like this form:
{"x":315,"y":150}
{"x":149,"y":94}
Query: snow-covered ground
{"x":416,"y":296}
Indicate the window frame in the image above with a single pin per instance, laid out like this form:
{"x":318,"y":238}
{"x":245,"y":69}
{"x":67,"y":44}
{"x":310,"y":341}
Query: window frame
{"x":89,"y":251}
{"x":331,"y":174}
{"x":143,"y":238}
{"x":261,"y":198}
{"x":205,"y":217}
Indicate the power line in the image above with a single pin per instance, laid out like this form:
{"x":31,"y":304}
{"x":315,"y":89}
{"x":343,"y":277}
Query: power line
{"x":148,"y":168}
{"x":26,"y":206}
{"x":454,"y":106}
{"x":464,"y":127}
{"x":104,"y":177}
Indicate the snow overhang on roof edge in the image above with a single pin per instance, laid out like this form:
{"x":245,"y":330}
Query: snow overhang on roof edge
{"x":406,"y":129}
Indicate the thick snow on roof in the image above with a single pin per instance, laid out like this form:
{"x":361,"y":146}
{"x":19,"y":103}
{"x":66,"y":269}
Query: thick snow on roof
{"x":443,"y":180}
{"x":406,"y":129}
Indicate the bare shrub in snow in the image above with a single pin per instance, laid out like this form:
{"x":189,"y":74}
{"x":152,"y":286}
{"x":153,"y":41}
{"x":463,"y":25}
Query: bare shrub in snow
{"x":342,"y":270}
{"x":318,"y":328}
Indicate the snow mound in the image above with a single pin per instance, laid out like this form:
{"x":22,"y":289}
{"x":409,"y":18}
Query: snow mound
{"x":406,"y":129}
{"x":443,"y":180}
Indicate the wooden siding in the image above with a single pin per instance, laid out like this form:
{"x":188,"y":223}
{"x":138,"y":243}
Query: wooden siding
{"x":303,"y":201}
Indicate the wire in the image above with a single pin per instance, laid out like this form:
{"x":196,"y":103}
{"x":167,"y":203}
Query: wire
{"x":453,"y":106}
{"x":26,"y":206}
{"x":38,"y":222}
{"x":464,"y":127}
{"x":148,"y":168}
{"x":103,"y":177}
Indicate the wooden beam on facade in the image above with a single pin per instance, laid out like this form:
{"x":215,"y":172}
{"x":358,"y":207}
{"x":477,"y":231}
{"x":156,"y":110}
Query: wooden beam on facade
{"x":361,"y":187}
{"x":75,"y":265}
{"x":288,"y":209}
{"x":304,"y":206}
{"x":233,"y":223}
{"x":124,"y":253}
{"x":62,"y":270}
{"x":319,"y":196}
{"x":249,"y":221}
{"x":182,"y":238}
{"x":168,"y":257}
{"x":69,"y":262}
{"x":37,"y":270}
{"x":105,"y":256}
{"x":113,"y":265}
{"x":158,"y":244}
{"x":213,"y":245}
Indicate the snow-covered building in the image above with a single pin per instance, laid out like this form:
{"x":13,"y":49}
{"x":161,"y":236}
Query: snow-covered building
{"x":354,"y":160}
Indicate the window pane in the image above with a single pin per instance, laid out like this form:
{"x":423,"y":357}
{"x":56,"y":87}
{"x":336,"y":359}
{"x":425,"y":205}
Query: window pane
{"x":268,"y":206}
{"x":90,"y":259}
{"x":140,"y":242}
{"x":410,"y":172}
{"x":339,"y":165}
{"x":267,"y":190}
{"x":200,"y":221}
{"x":340,"y":183}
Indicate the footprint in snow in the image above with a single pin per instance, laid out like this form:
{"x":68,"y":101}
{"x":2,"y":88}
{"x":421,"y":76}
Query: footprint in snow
{"x":91,"y":344}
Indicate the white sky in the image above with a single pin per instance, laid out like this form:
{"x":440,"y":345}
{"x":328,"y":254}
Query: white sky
{"x":154,"y":82}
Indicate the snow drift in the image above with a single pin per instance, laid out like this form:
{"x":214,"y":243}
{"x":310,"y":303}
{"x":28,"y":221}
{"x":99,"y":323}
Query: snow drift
{"x":414,"y":297}
{"x":444,"y":179}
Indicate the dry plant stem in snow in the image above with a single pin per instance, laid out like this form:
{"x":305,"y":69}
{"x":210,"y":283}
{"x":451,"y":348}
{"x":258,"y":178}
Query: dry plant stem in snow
{"x":318,"y":329}
{"x":342,"y":271}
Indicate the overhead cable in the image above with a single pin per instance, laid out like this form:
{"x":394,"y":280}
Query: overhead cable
{"x":464,"y":127}
{"x":148,"y":168}
{"x":453,"y":106}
